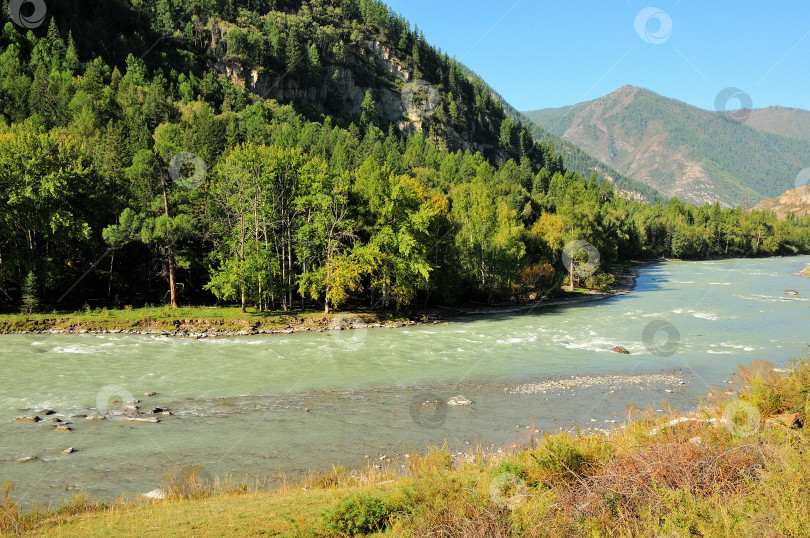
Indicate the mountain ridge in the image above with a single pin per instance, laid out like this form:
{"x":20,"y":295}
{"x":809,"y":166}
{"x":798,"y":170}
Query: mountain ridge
{"x":679,"y":149}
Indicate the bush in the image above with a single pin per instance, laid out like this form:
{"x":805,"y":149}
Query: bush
{"x":600,"y":282}
{"x":509,"y":467}
{"x":560,"y":456}
{"x":359,"y":515}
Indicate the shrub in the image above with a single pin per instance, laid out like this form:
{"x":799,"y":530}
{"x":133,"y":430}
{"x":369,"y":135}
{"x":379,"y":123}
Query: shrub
{"x":561,"y":456}
{"x":509,"y":467}
{"x":359,"y":515}
{"x":600,"y":282}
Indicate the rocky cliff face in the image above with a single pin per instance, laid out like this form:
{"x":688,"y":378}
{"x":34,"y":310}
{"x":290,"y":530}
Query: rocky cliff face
{"x":795,"y":201}
{"x":390,"y":81}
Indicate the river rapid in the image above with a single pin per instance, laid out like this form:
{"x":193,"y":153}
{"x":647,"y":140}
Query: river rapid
{"x":259,"y":407}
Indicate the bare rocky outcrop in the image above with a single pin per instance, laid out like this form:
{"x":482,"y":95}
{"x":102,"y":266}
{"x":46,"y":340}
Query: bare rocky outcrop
{"x":794,"y":201}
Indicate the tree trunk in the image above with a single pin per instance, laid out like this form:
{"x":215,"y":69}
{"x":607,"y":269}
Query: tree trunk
{"x":169,"y":250}
{"x":571,"y":274}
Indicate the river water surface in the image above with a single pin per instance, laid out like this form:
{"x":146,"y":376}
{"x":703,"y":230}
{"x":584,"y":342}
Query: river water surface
{"x":262,"y":406}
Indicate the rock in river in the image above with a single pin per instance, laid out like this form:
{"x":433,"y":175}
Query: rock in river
{"x":459,"y":400}
{"x":26,"y":459}
{"x":63,"y":428}
{"x":142,"y":419}
{"x":791,"y":292}
{"x":67,"y":451}
{"x":27,"y":419}
{"x":622,"y":350}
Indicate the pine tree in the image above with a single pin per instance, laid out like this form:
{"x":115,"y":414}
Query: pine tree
{"x":71,"y":56}
{"x":368,"y":111}
{"x":30,"y":302}
{"x":314,"y":58}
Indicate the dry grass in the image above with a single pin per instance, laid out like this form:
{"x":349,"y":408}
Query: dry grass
{"x":654,"y":478}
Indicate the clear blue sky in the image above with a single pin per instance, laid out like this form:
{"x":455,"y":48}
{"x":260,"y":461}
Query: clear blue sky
{"x":539,"y":53}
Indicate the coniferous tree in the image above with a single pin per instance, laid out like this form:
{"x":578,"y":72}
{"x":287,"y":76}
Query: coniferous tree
{"x":30,"y":300}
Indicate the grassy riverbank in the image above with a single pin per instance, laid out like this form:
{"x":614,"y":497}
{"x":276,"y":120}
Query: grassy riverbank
{"x":204,"y":321}
{"x":190,"y":321}
{"x":739,"y":467}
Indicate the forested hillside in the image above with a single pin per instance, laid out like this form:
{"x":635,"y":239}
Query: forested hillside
{"x":281,"y":153}
{"x":792,"y":122}
{"x":681,"y":150}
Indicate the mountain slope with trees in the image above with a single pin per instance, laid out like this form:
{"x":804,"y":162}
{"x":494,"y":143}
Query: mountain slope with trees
{"x":309,"y":154}
{"x":680,"y":150}
{"x":792,"y":122}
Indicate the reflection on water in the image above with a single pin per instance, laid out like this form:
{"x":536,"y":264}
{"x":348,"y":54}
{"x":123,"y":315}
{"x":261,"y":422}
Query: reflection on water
{"x":263,"y":406}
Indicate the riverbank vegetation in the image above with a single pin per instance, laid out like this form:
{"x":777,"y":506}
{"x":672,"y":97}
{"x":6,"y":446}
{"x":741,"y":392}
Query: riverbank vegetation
{"x":129,"y":181}
{"x":196,"y":321}
{"x":738,"y":467}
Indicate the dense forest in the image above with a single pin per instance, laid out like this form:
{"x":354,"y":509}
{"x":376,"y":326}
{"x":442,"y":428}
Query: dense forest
{"x":133,"y":162}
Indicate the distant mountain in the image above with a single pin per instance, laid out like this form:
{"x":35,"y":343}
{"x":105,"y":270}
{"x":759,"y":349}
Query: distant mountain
{"x":794,"y":122}
{"x":682,"y":150}
{"x":794,"y":201}
{"x":575,"y":159}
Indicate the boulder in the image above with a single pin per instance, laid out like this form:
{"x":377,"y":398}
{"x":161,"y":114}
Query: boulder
{"x":67,"y":451}
{"x":150,"y":393}
{"x":152,"y":420}
{"x":791,"y":292}
{"x":459,"y":400}
{"x":26,"y":459}
{"x":54,"y":419}
{"x":784,"y":420}
{"x":47,"y":412}
{"x":622,"y":350}
{"x":94,"y":417}
{"x":27,"y":419}
{"x":63,"y":428}
{"x":155,"y":494}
